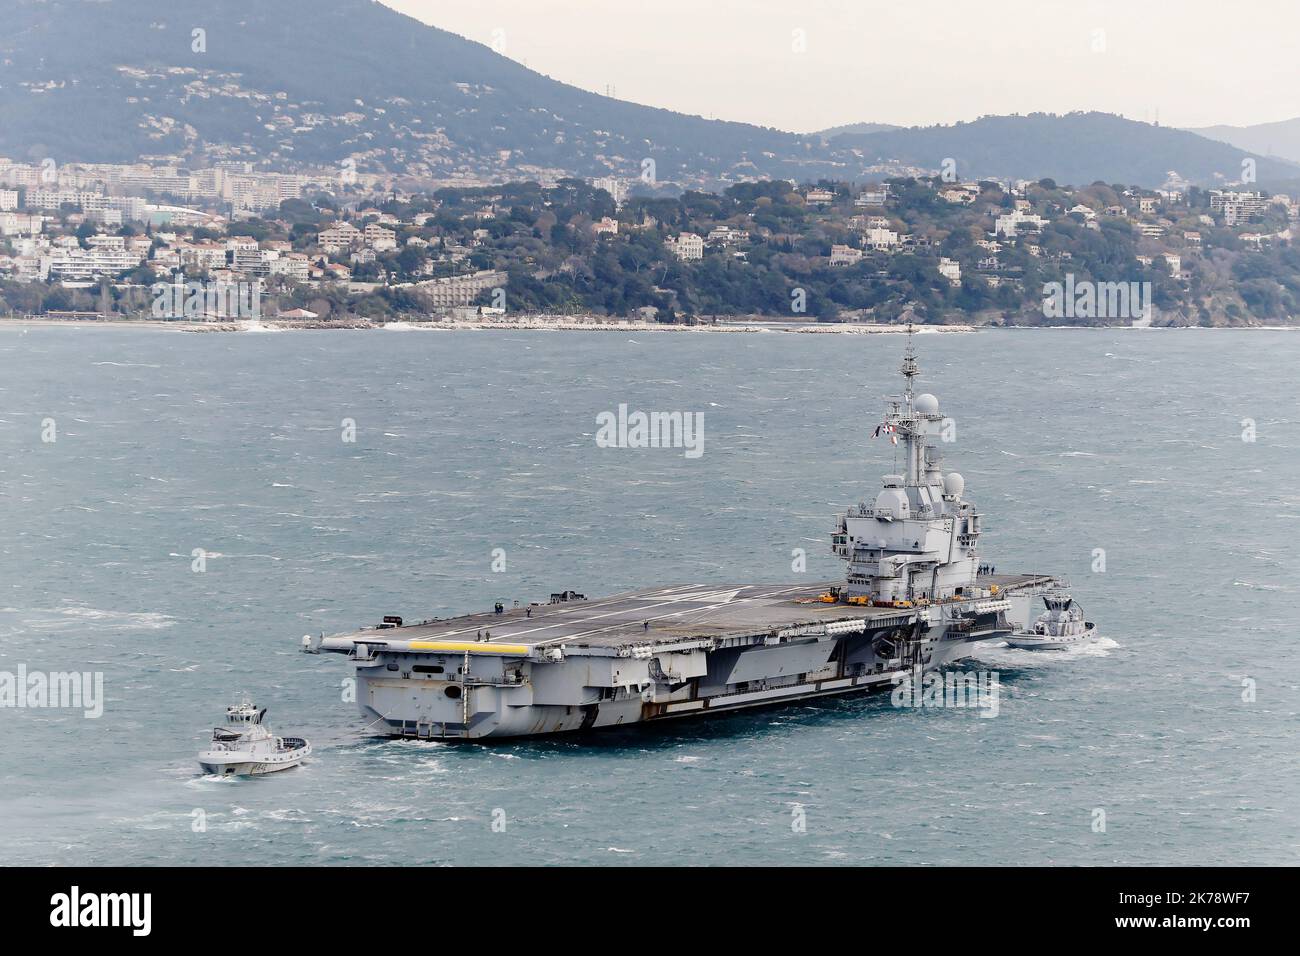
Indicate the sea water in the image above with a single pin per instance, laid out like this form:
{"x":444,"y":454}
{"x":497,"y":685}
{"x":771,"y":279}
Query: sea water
{"x":177,"y":511}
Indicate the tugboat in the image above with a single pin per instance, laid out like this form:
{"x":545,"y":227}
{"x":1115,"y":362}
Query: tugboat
{"x":1059,"y":627}
{"x":246,"y":746}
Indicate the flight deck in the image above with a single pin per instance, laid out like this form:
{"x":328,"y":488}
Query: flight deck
{"x":657,"y":615}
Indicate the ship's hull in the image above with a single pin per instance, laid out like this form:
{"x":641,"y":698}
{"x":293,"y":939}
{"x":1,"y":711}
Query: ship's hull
{"x":232,"y":765}
{"x":492,"y":716}
{"x":649,"y":656}
{"x":1028,"y":641}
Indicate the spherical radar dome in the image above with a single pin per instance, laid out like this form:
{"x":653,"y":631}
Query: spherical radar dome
{"x":954,"y":484}
{"x":926,"y":404}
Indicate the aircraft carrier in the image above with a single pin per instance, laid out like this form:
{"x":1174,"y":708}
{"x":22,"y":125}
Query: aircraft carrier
{"x":915,"y":596}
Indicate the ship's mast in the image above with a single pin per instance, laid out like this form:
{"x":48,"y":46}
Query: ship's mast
{"x":912,"y":442}
{"x":909,"y":368}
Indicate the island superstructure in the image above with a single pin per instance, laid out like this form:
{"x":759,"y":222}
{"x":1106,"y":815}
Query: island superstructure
{"x":918,"y":541}
{"x":913,"y":599}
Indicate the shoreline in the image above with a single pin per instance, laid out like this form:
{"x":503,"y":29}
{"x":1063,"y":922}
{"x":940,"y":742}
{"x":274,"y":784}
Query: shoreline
{"x":545,"y":325}
{"x":502,"y":325}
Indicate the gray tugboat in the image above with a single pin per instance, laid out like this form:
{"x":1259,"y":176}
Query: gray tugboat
{"x":914,"y":597}
{"x":245,"y":746}
{"x":1058,"y":628}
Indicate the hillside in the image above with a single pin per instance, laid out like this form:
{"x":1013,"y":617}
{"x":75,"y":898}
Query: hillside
{"x":767,"y":249}
{"x":298,"y":83}
{"x":298,"y":80}
{"x":1076,"y":148}
{"x":856,"y":129}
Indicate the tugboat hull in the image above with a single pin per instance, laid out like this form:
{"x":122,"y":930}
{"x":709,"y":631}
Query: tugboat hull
{"x":1036,"y":642}
{"x":222,"y":764}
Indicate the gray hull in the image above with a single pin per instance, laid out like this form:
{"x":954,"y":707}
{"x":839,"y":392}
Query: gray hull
{"x":587,"y":665}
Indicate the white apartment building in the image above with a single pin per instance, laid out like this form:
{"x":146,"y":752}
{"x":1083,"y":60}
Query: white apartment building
{"x":130,"y":208}
{"x":339,"y":235}
{"x":863,"y":223}
{"x":845,"y":255}
{"x":1006,"y":225}
{"x":950,"y":269}
{"x":687,"y":246}
{"x":248,"y":258}
{"x":8,"y":200}
{"x":380,"y":239}
{"x":726,"y":236}
{"x":20,"y":223}
{"x":293,"y":265}
{"x":203,"y":256}
{"x":612,"y":185}
{"x":963,"y":194}
{"x":166,"y":260}
{"x":880,"y":238}
{"x":82,"y":264}
{"x":1238,"y":207}
{"x":876,"y":196}
{"x":142,"y":178}
{"x":54,"y":198}
{"x":96,"y":206}
{"x":460,"y":290}
{"x":22,"y":175}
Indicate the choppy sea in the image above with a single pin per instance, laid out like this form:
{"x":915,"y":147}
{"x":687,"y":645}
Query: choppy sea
{"x":1172,"y":456}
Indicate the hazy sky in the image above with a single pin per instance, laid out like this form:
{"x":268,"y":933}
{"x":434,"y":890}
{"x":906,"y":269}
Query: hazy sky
{"x":1196,"y":62}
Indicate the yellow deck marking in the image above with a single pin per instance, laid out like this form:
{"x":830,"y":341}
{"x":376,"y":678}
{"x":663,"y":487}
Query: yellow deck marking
{"x":473,"y":647}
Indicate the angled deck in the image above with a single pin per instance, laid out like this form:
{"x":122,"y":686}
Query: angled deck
{"x":658,"y":615}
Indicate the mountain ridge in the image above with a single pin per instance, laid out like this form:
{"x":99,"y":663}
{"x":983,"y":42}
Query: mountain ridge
{"x":1280,"y":139}
{"x":296,"y":84}
{"x":1063,"y":147}
{"x":262,"y":84}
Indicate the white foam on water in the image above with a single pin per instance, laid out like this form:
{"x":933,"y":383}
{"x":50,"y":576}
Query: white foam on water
{"x":1001,"y":653}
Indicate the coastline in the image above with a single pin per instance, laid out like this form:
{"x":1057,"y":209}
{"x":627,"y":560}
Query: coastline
{"x":525,"y":324}
{"x":539,"y":324}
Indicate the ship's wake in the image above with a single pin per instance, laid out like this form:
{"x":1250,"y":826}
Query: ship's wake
{"x":997,"y":652}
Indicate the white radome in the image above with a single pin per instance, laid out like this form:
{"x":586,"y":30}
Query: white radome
{"x":926,"y":404}
{"x":954,"y":484}
{"x":893,"y":502}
